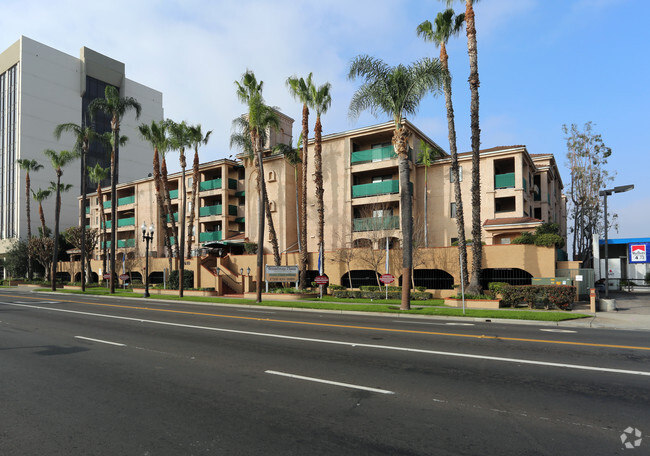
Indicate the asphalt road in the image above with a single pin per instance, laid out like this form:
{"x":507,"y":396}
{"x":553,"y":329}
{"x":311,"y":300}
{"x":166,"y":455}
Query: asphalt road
{"x":97,"y":376}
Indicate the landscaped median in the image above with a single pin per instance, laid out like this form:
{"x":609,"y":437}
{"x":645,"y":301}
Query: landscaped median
{"x":433,"y":307}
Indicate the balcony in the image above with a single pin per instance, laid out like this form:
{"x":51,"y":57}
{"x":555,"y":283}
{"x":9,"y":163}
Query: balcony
{"x":124,"y":243}
{"x":87,"y":209}
{"x":506,"y":180}
{"x":126,"y":200}
{"x":232,"y":210}
{"x":373,"y":155}
{"x":210,"y":236}
{"x":376,"y":223}
{"x":107,"y":204}
{"x":129,"y":221}
{"x":108,"y":224}
{"x":232,"y":184}
{"x":207,"y":211}
{"x":240,"y":220}
{"x":169,"y":219}
{"x":173,"y":194}
{"x":213,"y":184}
{"x":377,"y":188}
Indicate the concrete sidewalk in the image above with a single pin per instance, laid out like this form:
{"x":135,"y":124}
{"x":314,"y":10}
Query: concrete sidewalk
{"x":633,"y":313}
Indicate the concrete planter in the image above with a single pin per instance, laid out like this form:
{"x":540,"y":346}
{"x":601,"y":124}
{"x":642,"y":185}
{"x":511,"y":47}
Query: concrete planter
{"x":157,"y":291}
{"x":474,"y":303}
{"x":281,"y":296}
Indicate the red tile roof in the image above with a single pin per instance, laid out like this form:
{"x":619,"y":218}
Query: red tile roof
{"x":511,"y":221}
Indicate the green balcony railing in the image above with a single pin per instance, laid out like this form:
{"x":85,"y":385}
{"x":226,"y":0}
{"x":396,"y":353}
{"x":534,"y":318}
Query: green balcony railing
{"x":232,"y":210}
{"x":169,"y":219}
{"x":126,"y":200}
{"x":108,"y":224}
{"x":210,"y":210}
{"x":377,"y":188}
{"x":525,"y":186}
{"x":124,"y":243}
{"x":210,"y":236}
{"x":87,"y":227}
{"x":210,"y":185}
{"x":232,"y":184}
{"x":107,"y":204}
{"x":506,"y":180}
{"x":107,"y":244}
{"x":87,"y":209}
{"x":373,"y":155}
{"x":172,"y":240}
{"x":173,"y":194}
{"x":129,"y":221}
{"x":376,"y":223}
{"x":548,"y":197}
{"x":240,"y":220}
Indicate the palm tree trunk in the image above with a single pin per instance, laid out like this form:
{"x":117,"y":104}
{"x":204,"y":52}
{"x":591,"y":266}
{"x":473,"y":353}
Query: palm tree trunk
{"x":161,"y":205}
{"x":400,"y":143}
{"x":42,"y":216}
{"x":83,"y":220}
{"x":477,"y":247}
{"x":195,"y":188}
{"x":304,"y":256}
{"x":181,"y":216}
{"x":114,"y":181}
{"x":298,"y":218}
{"x":318,"y":181}
{"x":261,"y":202}
{"x":426,"y":205}
{"x":57,"y":212}
{"x":168,"y":202}
{"x":102,"y":220}
{"x":30,"y":272}
{"x":460,"y":216}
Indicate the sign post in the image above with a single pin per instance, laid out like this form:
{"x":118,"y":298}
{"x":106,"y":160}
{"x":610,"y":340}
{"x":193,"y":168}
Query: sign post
{"x":386,"y":279}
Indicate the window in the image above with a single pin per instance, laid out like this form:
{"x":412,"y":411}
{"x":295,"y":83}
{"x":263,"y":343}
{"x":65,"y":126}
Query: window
{"x":505,"y":240}
{"x":272,"y":206}
{"x":377,"y":179}
{"x":460,"y":174}
{"x":189,"y":182}
{"x":452,"y":210}
{"x":272,"y":176}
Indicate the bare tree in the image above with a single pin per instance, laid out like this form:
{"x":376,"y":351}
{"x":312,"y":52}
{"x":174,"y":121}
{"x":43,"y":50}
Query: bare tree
{"x":587,"y":156}
{"x":75,"y":234}
{"x":345,"y":254}
{"x":40,"y":248}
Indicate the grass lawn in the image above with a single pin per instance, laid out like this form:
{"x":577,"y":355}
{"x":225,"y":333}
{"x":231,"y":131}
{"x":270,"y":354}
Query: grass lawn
{"x":359,"y":305}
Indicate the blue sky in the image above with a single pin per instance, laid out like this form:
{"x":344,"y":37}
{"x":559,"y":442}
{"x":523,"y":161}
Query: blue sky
{"x":542,"y":64}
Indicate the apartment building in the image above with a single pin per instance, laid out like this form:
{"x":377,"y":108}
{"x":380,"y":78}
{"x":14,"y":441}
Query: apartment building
{"x":219,"y":214}
{"x":41,"y":87}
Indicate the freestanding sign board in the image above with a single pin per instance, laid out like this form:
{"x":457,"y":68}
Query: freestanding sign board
{"x":387,"y":278}
{"x":638,"y":252}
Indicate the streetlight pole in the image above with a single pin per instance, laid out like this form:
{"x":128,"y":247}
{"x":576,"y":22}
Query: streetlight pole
{"x":147,"y":237}
{"x":604,"y":194}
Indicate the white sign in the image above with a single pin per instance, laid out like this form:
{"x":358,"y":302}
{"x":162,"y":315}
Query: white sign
{"x":579,"y":278}
{"x":281,"y":273}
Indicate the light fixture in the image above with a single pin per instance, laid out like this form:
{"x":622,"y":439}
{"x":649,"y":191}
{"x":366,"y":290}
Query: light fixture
{"x":248,"y":270}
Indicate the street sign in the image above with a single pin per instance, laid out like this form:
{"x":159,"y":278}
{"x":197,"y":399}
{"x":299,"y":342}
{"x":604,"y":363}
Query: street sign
{"x":124,"y":277}
{"x":107,"y":276}
{"x":387,"y":278}
{"x":322,"y":280}
{"x":638,"y":252}
{"x":281,"y":273}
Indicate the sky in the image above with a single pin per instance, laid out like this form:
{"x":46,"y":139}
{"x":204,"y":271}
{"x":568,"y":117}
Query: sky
{"x":542,"y":64}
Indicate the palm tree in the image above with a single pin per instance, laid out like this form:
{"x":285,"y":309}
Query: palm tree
{"x":156,"y":134}
{"x":59,"y":161}
{"x":260,"y":118}
{"x":40,"y":196}
{"x":301,"y":90}
{"x":447,"y":24}
{"x":181,"y":137}
{"x":197,"y":138}
{"x":396,"y":91}
{"x":97,"y":174}
{"x":426,"y":157}
{"x":321,"y":100}
{"x":116,"y":107}
{"x":83,"y":137}
{"x":27,"y":166}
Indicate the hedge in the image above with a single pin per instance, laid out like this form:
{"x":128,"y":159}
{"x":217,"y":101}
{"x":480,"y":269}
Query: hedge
{"x":364,"y":294}
{"x":560,"y":296}
{"x":188,"y":280}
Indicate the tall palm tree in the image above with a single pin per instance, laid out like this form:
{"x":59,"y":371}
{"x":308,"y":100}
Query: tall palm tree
{"x":180,"y":137}
{"x":39,"y":196}
{"x":156,"y":134}
{"x":197,"y":138}
{"x":260,"y":118}
{"x":396,"y":91}
{"x":83,"y":137}
{"x":28,"y":165}
{"x":447,"y":24}
{"x":59,"y":161}
{"x":97,"y":174}
{"x":301,"y":90}
{"x":321,"y":100}
{"x":116,"y":107}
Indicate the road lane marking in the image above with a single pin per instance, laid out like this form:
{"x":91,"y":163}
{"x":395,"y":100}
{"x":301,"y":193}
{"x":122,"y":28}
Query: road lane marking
{"x":330,"y":382}
{"x":559,"y":331}
{"x":100,"y":341}
{"x":370,"y":328}
{"x":432,"y":323}
{"x":255,"y":311}
{"x":350,"y":344}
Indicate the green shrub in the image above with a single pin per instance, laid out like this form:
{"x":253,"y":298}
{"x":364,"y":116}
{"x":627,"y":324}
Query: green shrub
{"x":188,"y":280}
{"x":335,"y":287}
{"x":524,"y":238}
{"x":250,"y":247}
{"x":549,"y":240}
{"x":378,"y":295}
{"x":496,"y":287}
{"x":560,"y":296}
